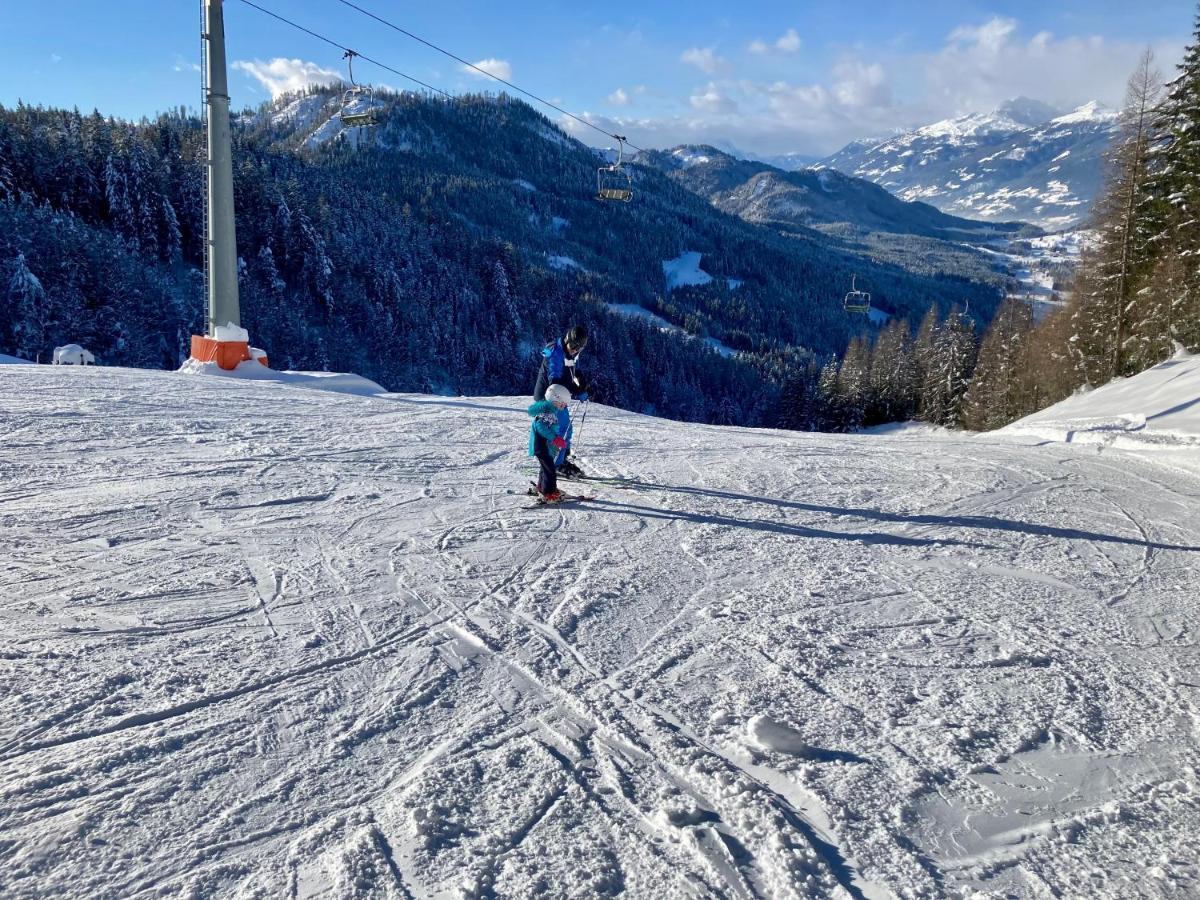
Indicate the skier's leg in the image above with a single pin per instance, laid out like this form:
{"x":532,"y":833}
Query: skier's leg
{"x":547,"y":479}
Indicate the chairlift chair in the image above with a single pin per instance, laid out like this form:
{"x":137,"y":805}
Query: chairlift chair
{"x":613,"y":182}
{"x":355,"y":95}
{"x":856,"y":301}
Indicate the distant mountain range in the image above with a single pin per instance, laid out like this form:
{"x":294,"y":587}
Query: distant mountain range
{"x":1023,"y":161}
{"x":810,"y":198}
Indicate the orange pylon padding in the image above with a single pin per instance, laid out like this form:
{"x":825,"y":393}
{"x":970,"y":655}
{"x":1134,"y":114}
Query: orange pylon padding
{"x":226,"y":354}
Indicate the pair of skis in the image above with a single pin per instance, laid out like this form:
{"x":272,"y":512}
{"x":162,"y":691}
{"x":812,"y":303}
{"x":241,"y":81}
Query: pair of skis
{"x":541,"y":503}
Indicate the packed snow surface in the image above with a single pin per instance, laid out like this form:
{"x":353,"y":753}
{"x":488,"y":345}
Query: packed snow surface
{"x":685,"y":270}
{"x":634,"y":311}
{"x":563,"y":263}
{"x":262,"y":641}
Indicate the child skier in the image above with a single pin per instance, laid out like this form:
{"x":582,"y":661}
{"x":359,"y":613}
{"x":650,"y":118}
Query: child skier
{"x":548,"y":436}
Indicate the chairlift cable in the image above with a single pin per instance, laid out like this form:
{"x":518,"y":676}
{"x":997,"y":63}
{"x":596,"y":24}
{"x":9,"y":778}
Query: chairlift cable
{"x":346,"y":49}
{"x":481,"y":71}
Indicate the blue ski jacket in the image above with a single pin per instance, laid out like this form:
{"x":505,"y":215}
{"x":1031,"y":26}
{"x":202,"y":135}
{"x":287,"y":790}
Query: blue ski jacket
{"x":557,"y":368}
{"x":550,"y":422}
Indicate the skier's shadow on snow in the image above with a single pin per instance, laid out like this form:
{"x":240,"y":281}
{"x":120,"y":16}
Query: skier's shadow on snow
{"x":803,"y":531}
{"x":990,"y":523}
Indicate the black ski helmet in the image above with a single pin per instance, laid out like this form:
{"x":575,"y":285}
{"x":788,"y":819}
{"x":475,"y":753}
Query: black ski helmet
{"x":577,"y":337}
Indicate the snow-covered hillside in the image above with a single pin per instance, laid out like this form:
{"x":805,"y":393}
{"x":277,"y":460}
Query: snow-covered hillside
{"x":263,"y":641}
{"x":1022,"y":161}
{"x":1156,"y":412}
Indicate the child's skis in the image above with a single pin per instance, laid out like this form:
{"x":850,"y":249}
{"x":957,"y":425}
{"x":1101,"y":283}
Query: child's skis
{"x":532,"y":491}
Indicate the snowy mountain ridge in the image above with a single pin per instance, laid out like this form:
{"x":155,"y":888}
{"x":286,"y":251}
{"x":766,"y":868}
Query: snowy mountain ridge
{"x":1023,"y":161}
{"x":809,"y":198}
{"x":263,"y":640}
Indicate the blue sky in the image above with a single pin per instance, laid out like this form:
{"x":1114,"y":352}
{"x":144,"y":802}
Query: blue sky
{"x":768,"y":77}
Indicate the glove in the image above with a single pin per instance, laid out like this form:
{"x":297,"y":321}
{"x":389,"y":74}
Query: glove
{"x":558,"y":443}
{"x":582,"y":398}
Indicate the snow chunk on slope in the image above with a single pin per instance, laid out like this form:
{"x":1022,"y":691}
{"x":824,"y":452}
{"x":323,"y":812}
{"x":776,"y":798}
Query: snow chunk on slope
{"x":771,"y":735}
{"x":564,"y":263}
{"x":1158,"y":409}
{"x":685,"y":270}
{"x":338,"y":382}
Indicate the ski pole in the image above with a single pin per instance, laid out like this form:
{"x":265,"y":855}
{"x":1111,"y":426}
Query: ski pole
{"x":579,"y":433}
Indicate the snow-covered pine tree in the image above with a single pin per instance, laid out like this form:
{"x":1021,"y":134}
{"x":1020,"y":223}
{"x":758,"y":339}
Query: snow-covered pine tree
{"x":923,"y":357}
{"x":994,"y":397}
{"x":832,"y":417}
{"x":893,"y":375}
{"x":853,"y":384}
{"x":1124,"y":251}
{"x":120,"y":208}
{"x":1175,"y":183}
{"x":949,"y":371}
{"x":8,"y":189}
{"x":27,"y":299}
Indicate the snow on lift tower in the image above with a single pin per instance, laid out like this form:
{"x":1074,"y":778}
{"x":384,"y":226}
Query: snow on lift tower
{"x":613,"y":182}
{"x":856,"y":301}
{"x":357,"y":95}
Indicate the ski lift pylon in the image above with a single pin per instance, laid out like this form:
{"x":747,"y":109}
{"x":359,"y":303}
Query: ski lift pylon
{"x":856,"y":301}
{"x":354,"y":95}
{"x":613,"y":182}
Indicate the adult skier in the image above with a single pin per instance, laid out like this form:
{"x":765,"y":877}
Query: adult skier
{"x":558,"y":364}
{"x":559,"y":360}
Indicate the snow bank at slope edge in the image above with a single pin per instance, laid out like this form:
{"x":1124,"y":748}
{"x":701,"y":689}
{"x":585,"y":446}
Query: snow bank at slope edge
{"x":1158,"y":409}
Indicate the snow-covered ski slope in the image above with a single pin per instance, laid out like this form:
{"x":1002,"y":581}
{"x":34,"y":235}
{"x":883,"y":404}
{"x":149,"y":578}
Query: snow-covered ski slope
{"x":262,"y":641}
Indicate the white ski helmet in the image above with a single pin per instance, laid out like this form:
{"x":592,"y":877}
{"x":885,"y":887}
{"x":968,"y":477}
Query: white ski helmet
{"x":556,"y":393}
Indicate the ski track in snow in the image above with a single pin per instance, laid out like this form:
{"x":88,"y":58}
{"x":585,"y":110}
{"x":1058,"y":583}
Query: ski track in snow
{"x":261,"y":641}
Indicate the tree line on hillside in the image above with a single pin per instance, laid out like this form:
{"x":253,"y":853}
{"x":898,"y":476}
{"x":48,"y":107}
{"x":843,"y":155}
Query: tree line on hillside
{"x":1135,"y":296}
{"x":417,"y":254}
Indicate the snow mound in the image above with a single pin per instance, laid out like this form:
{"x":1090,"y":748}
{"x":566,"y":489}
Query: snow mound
{"x":1158,"y":409}
{"x":6,"y":360}
{"x":685,"y":270}
{"x":73,"y":355}
{"x":771,"y":735}
{"x":337,"y":382}
{"x":564,"y":263}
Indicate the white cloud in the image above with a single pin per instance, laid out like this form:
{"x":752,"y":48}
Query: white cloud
{"x":501,"y":68}
{"x":860,"y":85}
{"x":704,"y":59}
{"x":281,"y":76}
{"x":989,"y":37}
{"x":877,"y":90}
{"x":618,"y":98}
{"x":789,"y":43}
{"x":711,"y":100}
{"x":55,"y":58}
{"x":185,"y":65}
{"x":983,"y":65}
